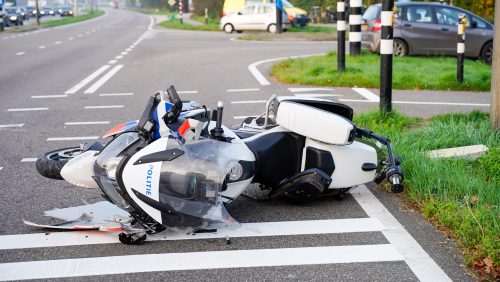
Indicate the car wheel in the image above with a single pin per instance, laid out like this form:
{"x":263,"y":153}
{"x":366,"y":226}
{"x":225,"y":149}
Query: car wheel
{"x":400,"y":48}
{"x":228,"y":28}
{"x":21,"y":23}
{"x":271,"y":28}
{"x":487,"y":53}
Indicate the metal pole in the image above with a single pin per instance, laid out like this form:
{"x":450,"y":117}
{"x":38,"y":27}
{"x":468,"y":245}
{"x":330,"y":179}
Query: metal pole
{"x":75,"y":8}
{"x":461,"y":47}
{"x":386,"y":50}
{"x":206,"y":15}
{"x":495,"y":82}
{"x":340,"y":36}
{"x":279,"y":16}
{"x":355,"y":27}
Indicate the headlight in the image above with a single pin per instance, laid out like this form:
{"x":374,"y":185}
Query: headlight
{"x":236,"y":172}
{"x":111,"y":165}
{"x":71,"y":12}
{"x":13,"y":18}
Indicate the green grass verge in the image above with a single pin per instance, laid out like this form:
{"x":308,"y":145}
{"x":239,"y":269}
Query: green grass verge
{"x":176,"y":24}
{"x":460,"y":194}
{"x":309,"y":28}
{"x":433,"y":73}
{"x":70,"y":20}
{"x":150,"y":11}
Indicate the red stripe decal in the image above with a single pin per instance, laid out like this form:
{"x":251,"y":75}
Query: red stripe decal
{"x":184,"y":127}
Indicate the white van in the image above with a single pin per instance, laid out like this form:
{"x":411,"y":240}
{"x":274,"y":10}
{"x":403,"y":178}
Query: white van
{"x":253,"y":17}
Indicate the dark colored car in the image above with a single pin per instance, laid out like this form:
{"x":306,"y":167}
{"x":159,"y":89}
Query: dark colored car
{"x":14,"y":16}
{"x":65,"y":11}
{"x":49,"y":11}
{"x":426,"y":28}
{"x":30,"y":11}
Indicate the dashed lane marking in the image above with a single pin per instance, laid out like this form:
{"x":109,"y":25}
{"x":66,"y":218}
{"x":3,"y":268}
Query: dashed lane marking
{"x":198,"y":260}
{"x":72,"y":138}
{"x":87,"y":80}
{"x":20,"y":53}
{"x":422,"y":265}
{"x":188,"y":92}
{"x":244,"y":90}
{"x":70,"y":38}
{"x":48,"y":96}
{"x":80,"y":35}
{"x":41,"y":47}
{"x":111,"y":62}
{"x":27,"y":109}
{"x":104,"y":107}
{"x":103,"y":80}
{"x":367,"y":94}
{"x":250,"y":102}
{"x":1,"y":167}
{"x":116,"y":94}
{"x":313,"y":95}
{"x":29,"y":160}
{"x":119,"y":57}
{"x":258,"y":229}
{"x":123,"y":53}
{"x":86,"y":122}
{"x":11,"y":125}
{"x":57,"y":42}
{"x":309,"y":89}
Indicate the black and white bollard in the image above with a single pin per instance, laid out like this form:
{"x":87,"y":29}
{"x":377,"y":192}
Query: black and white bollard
{"x":340,"y":35}
{"x":386,"y":50}
{"x":206,"y":15}
{"x":181,"y":9}
{"x":462,"y":21}
{"x":355,"y":27}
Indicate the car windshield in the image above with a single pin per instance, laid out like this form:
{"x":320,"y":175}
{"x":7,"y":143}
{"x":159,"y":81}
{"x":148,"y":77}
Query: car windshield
{"x":287,"y":4}
{"x":10,"y":10}
{"x":372,"y":13}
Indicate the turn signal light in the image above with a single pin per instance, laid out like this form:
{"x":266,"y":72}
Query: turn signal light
{"x":377,"y":25}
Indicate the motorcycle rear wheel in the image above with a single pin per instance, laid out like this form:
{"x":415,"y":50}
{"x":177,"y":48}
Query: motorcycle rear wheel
{"x":51,"y":163}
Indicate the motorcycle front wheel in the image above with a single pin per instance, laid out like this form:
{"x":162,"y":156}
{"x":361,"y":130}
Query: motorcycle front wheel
{"x":51,"y":163}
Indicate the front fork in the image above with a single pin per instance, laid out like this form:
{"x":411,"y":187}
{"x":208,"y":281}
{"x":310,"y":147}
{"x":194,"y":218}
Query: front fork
{"x":391,"y":170}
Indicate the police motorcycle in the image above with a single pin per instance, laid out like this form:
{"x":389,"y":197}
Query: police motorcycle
{"x":178,"y":166}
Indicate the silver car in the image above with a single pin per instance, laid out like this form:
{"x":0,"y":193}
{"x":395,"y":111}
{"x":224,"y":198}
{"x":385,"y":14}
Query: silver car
{"x":424,"y":28}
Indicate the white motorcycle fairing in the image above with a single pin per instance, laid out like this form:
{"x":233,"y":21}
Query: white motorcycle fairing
{"x":80,"y":170}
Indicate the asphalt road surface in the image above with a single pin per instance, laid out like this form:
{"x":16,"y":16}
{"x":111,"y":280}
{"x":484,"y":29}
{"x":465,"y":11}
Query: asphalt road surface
{"x":63,"y":86}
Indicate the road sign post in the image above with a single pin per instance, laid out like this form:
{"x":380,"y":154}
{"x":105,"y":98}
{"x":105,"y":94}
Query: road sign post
{"x":495,"y":82}
{"x":462,"y":21}
{"x":206,"y":15}
{"x":340,"y":36}
{"x":37,"y":12}
{"x":181,"y":10}
{"x":279,"y":16}
{"x":355,"y":27}
{"x":386,"y":50}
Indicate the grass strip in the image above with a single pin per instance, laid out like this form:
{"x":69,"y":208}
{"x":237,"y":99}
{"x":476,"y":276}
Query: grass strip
{"x":70,"y":20}
{"x":459,"y":194}
{"x":414,"y":73}
{"x":176,"y":24}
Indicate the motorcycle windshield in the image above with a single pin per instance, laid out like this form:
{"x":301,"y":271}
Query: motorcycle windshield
{"x":190,"y":184}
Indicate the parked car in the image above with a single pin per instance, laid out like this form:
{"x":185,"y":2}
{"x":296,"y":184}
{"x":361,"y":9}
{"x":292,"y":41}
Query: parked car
{"x":253,"y":17}
{"x":296,"y":15}
{"x":49,"y":11}
{"x":24,"y":13}
{"x":65,"y":11}
{"x":425,"y":28}
{"x":14,"y":15}
{"x":30,"y":11}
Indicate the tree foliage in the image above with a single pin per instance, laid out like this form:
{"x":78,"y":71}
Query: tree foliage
{"x":214,"y":7}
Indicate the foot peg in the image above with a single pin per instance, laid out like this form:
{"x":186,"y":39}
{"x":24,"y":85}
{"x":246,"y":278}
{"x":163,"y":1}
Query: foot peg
{"x":306,"y":185}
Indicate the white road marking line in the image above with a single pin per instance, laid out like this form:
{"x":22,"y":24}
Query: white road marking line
{"x":85,"y":122}
{"x":88,"y":32}
{"x":12,"y":37}
{"x":309,"y":89}
{"x":70,"y":38}
{"x":1,"y":167}
{"x":119,"y":57}
{"x":41,"y":47}
{"x":72,"y":138}
{"x":5,"y":38}
{"x":103,"y":79}
{"x":188,"y":92}
{"x":117,"y":94}
{"x":11,"y":125}
{"x":128,"y":49}
{"x":259,"y":229}
{"x":123,"y":53}
{"x":367,"y":94}
{"x":422,"y":265}
{"x":311,"y":95}
{"x":249,"y":102}
{"x":197,"y":260}
{"x":28,"y":160}
{"x":244,"y":117}
{"x":86,"y":80}
{"x":112,"y":62}
{"x":20,"y":53}
{"x":48,"y":96}
{"x":104,"y":107}
{"x":244,"y":90}
{"x":420,"y":103}
{"x":261,"y":78}
{"x":27,"y":109}
{"x":57,"y":42}
{"x":80,"y":35}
